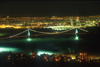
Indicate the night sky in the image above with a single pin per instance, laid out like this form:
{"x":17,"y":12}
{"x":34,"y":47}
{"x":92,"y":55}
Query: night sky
{"x":49,"y":8}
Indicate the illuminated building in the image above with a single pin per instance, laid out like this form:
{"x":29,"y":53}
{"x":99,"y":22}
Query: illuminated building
{"x":71,"y":22}
{"x":65,"y":58}
{"x":34,"y":55}
{"x":85,"y":56}
{"x":93,"y":22}
{"x":69,"y":58}
{"x":82,"y":56}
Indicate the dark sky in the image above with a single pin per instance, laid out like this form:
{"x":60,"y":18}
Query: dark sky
{"x":49,"y":8}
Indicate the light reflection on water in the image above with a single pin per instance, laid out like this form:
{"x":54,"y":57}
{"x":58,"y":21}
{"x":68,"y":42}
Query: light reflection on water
{"x":37,"y":42}
{"x":38,"y":39}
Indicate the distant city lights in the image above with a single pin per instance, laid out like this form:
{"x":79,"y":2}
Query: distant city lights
{"x":73,"y":58}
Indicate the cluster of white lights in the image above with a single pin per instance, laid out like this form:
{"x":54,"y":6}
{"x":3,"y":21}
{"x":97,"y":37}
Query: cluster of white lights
{"x":76,"y":37}
{"x":42,"y":52}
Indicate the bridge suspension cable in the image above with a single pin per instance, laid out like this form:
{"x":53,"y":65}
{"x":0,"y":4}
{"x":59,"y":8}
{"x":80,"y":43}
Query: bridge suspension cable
{"x":83,"y":29}
{"x":17,"y":34}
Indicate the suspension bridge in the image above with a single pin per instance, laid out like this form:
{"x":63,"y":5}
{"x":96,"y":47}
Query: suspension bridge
{"x":45,"y":33}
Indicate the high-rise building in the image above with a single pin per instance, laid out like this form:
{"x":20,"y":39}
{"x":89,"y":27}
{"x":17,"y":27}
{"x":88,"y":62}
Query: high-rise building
{"x":71,"y":22}
{"x":82,"y":56}
{"x":85,"y":56}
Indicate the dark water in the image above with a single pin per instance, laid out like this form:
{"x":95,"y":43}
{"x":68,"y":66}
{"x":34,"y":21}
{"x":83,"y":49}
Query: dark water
{"x":55,"y":43}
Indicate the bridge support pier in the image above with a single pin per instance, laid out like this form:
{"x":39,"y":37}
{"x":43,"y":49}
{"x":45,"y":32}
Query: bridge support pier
{"x":28,"y":32}
{"x":76,"y":31}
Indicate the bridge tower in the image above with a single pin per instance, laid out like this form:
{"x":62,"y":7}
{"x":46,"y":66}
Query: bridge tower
{"x":29,"y":39}
{"x":76,"y":31}
{"x":28,"y":32}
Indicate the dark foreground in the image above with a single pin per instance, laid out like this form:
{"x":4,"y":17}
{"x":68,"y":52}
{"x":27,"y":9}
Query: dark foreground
{"x":9,"y":59}
{"x":36,"y":63}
